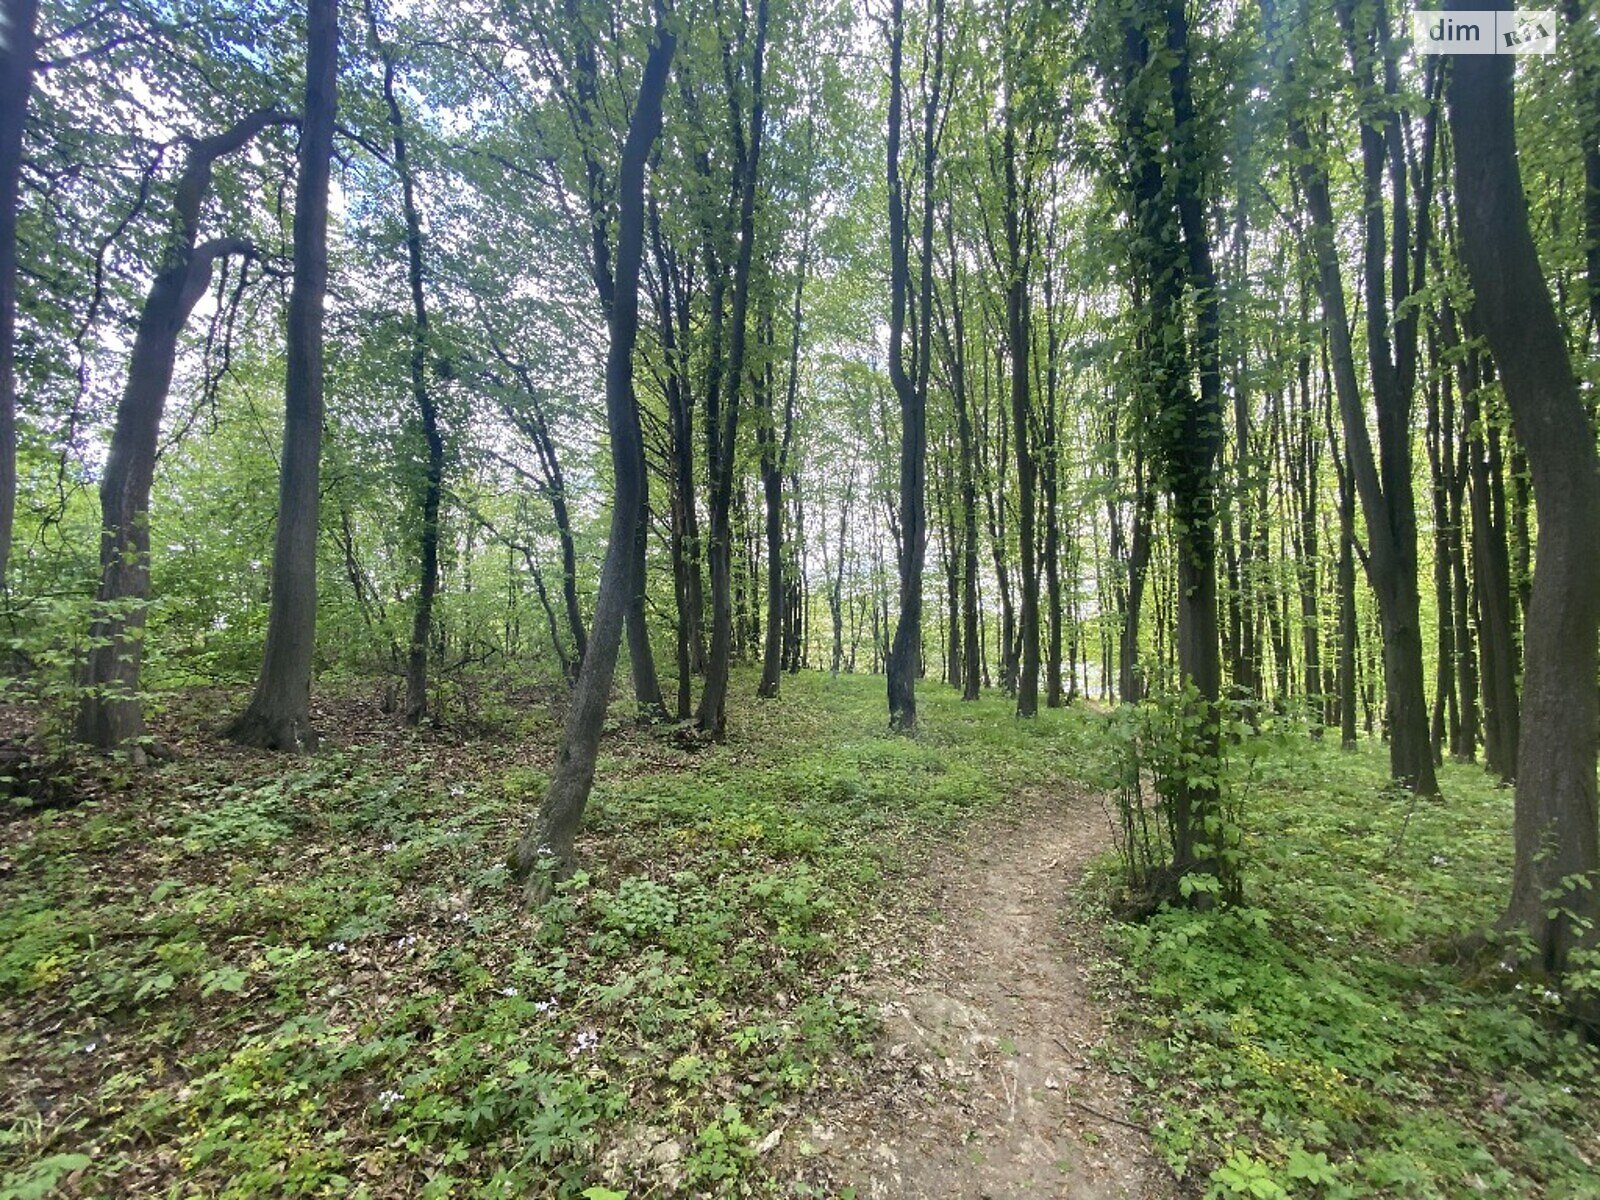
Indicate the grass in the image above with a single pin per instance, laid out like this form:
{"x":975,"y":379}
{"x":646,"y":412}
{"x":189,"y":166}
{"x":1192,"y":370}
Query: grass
{"x":240,"y":977}
{"x":1329,"y":1039}
{"x":237,"y":976}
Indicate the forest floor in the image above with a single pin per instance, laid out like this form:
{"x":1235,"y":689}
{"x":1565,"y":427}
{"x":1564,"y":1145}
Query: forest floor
{"x":817,"y":960}
{"x":989,"y":1085}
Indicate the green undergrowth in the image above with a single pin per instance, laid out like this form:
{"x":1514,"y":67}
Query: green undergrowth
{"x":241,"y":976}
{"x":1336,"y":1036}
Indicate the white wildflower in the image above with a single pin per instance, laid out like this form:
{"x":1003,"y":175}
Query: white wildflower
{"x":587,"y":1040}
{"x":337,"y":947}
{"x":508,"y":991}
{"x":388,"y":1098}
{"x":545,"y":1006}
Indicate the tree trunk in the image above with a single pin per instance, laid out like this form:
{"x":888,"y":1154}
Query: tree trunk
{"x":1555,"y":895}
{"x":1384,"y":488}
{"x":836,"y":581}
{"x":16,"y":82}
{"x":1130,"y":680}
{"x":911,"y":386}
{"x":416,"y":706}
{"x":110,"y":714}
{"x":1198,"y":844}
{"x":648,"y":704}
{"x":954,"y":337}
{"x":685,"y":541}
{"x":546,"y":850}
{"x":279,"y":714}
{"x":1492,"y":577}
{"x":722,"y":425}
{"x":775,"y":444}
{"x":1019,"y":342}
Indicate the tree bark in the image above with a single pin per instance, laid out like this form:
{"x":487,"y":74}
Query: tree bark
{"x":954,"y":336}
{"x":111,"y":714}
{"x":1384,"y":487}
{"x":416,"y":705}
{"x":1198,"y":844}
{"x":775,"y":442}
{"x":648,"y":704}
{"x":1019,"y":343}
{"x":279,"y":714}
{"x":1492,"y":578}
{"x":911,"y":386}
{"x":546,"y":850}
{"x":1555,"y":894}
{"x":722,"y":424}
{"x":16,"y":82}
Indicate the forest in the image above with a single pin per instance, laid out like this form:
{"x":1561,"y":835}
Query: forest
{"x":799,"y":598}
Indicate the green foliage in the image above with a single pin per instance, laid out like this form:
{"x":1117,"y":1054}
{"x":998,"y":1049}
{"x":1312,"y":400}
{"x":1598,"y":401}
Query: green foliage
{"x":1344,"y":1028}
{"x":288,"y":982}
{"x":1166,"y":751}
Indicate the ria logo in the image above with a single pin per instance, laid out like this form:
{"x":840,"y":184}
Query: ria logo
{"x":1522,"y":31}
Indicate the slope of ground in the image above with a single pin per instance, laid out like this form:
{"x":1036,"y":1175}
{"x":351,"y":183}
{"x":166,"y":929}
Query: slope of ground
{"x":988,"y":1086}
{"x":817,"y":960}
{"x":250,"y":976}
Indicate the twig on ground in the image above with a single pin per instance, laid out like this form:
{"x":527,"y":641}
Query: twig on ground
{"x":1105,"y":1116}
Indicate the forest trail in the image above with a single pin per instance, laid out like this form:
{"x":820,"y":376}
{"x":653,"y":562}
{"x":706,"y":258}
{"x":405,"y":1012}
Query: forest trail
{"x":987,"y":1089}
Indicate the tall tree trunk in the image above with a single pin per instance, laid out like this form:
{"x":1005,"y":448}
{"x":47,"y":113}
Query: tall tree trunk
{"x":1130,"y":680}
{"x":722,"y":426}
{"x":673,"y":313}
{"x":1348,"y":624}
{"x":911,"y":386}
{"x":1198,"y":845}
{"x":797,"y":604}
{"x":648,"y":704}
{"x":545,"y":851}
{"x":956,"y":352}
{"x":1019,"y":342}
{"x":1446,"y":722}
{"x":836,"y":579}
{"x":416,"y":706}
{"x":1384,"y":488}
{"x":1492,"y":577}
{"x":1555,"y":896}
{"x":1305,"y":462}
{"x":16,"y":82}
{"x":111,"y":715}
{"x":279,"y":714}
{"x":775,"y":443}
{"x":1466,"y":657}
{"x":1052,"y":559}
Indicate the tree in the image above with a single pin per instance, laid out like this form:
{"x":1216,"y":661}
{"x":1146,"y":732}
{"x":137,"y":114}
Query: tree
{"x":722,"y":409}
{"x":1555,"y":896}
{"x":546,"y":849}
{"x":111,"y":715}
{"x":16,"y":81}
{"x":776,"y":440}
{"x":279,"y":713}
{"x":909,"y":379}
{"x":1018,"y":222}
{"x":1382,"y":481}
{"x":416,"y":702}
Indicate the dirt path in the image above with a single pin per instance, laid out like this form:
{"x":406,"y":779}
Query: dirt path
{"x":987,"y":1089}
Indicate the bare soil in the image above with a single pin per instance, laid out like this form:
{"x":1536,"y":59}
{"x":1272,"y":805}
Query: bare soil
{"x":987,"y":1087}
